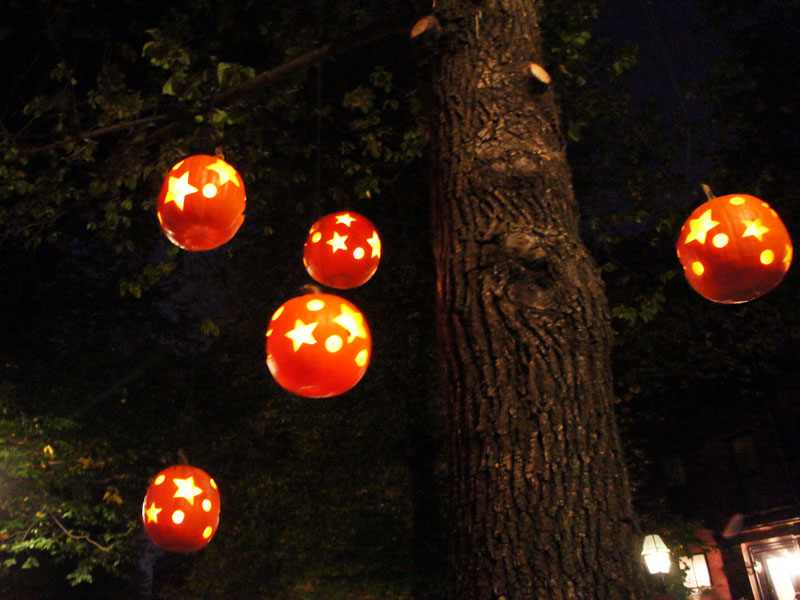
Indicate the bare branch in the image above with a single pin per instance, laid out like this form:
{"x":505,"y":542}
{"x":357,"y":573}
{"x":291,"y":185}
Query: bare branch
{"x":428,"y":23}
{"x":539,"y":72}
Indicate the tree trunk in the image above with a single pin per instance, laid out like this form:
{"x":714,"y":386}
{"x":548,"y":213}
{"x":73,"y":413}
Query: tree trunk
{"x":540,"y":497}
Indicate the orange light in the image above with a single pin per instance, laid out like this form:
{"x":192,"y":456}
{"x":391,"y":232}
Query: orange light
{"x":334,"y":343}
{"x":720,"y":240}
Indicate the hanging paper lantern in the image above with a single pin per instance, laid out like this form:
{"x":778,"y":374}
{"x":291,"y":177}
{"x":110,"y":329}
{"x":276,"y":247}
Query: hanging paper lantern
{"x":181,"y":509}
{"x":201,"y":204}
{"x":734,"y":248}
{"x":342,"y":250}
{"x":318,"y":345}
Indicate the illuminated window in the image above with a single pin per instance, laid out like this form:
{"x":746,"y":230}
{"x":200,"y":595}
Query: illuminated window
{"x":695,"y":571}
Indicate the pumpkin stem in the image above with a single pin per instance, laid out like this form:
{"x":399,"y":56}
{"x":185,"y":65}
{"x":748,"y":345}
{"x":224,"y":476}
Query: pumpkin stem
{"x":182,"y":456}
{"x":218,"y":153}
{"x":707,"y":190}
{"x":311,"y":288}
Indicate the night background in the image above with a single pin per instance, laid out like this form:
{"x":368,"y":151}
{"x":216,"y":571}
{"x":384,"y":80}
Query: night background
{"x":122,"y":354}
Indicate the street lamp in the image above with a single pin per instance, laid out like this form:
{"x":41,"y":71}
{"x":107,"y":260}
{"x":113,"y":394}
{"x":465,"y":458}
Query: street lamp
{"x":656,"y":554}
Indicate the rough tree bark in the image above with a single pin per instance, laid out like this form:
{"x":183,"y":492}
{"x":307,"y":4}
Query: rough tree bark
{"x":540,"y":497}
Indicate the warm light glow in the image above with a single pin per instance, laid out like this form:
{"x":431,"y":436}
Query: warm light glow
{"x":207,"y":532}
{"x":352,"y":321}
{"x":358,"y":253}
{"x":213,"y":483}
{"x":269,"y":332}
{"x":781,"y":575}
{"x":787,"y":260}
{"x":656,"y":554}
{"x":700,"y":227}
{"x":720,"y":240}
{"x":301,"y":334}
{"x":186,"y":489}
{"x":316,"y":237}
{"x":174,"y":517}
{"x":179,"y":188}
{"x":315,"y":305}
{"x":375,"y":242}
{"x":767,"y":257}
{"x":754,"y":228}
{"x":697,"y":267}
{"x":159,"y":480}
{"x":337,"y":242}
{"x":344,"y":219}
{"x":737,"y":200}
{"x":277,"y":313}
{"x":209,"y":190}
{"x":225,"y":171}
{"x":334,"y":343}
{"x":695,"y":571}
{"x":361,"y":358}
{"x":152,"y":513}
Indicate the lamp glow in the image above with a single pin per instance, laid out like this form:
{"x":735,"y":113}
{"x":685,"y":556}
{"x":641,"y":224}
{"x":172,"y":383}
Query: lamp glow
{"x":656,"y":554}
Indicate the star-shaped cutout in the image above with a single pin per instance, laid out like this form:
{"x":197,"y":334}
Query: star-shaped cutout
{"x":352,"y":321}
{"x":186,"y":489}
{"x":225,"y":171}
{"x":700,"y":227}
{"x":754,"y":228}
{"x":179,"y":188}
{"x":301,"y":334}
{"x":344,"y":219}
{"x":152,"y":513}
{"x":375,"y":242}
{"x":337,"y":242}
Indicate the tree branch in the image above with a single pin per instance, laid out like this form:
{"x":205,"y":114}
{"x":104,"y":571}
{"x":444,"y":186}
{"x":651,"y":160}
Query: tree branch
{"x":329,"y":50}
{"x":79,"y":537}
{"x":93,"y":133}
{"x":258,"y":83}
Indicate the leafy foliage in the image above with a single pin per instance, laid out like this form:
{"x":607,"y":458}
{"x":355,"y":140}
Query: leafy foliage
{"x":62,"y":500}
{"x":124,"y":350}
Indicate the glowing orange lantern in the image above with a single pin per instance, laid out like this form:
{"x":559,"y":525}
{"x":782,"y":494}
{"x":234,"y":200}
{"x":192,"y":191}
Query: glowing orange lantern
{"x":318,"y":345}
{"x":342,"y":250}
{"x":181,"y":509}
{"x":734,"y":248}
{"x":201,"y":204}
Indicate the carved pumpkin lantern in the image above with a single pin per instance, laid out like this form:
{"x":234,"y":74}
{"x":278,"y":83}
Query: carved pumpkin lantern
{"x":318,"y":345}
{"x":201,"y":204}
{"x":342,"y":250}
{"x":734,"y":249}
{"x":181,"y":509}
